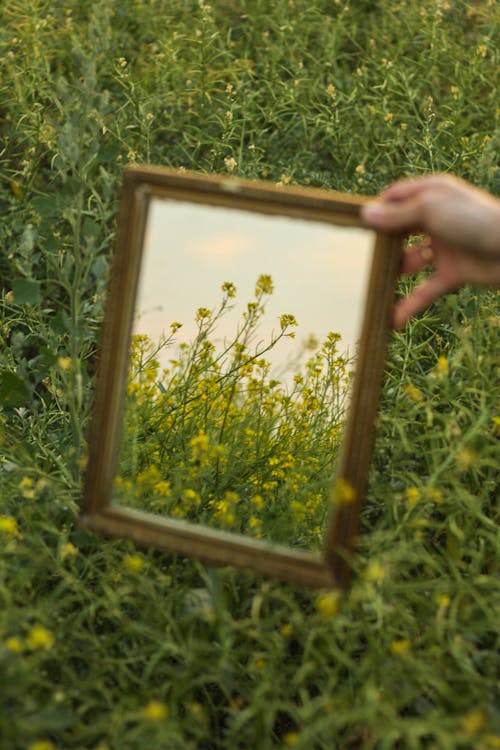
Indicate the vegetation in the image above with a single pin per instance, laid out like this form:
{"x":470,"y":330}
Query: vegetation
{"x":103,"y":646}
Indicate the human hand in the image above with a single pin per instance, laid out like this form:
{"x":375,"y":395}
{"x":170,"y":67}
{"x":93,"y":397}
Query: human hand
{"x":462,"y":224}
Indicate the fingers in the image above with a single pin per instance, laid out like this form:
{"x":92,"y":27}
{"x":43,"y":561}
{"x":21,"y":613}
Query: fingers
{"x":421,"y":297}
{"x":412,"y":186}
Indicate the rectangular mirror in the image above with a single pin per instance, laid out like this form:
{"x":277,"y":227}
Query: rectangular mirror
{"x":240,"y":368}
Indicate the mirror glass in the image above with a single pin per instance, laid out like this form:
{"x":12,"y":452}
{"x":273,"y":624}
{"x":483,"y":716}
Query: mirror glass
{"x":243,"y":348}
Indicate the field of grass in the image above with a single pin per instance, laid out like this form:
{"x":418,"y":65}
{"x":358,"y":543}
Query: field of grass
{"x":108,"y":647}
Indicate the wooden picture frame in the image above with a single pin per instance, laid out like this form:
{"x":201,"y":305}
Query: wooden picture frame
{"x":333,"y":567}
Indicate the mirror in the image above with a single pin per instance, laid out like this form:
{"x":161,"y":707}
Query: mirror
{"x":239,"y":373}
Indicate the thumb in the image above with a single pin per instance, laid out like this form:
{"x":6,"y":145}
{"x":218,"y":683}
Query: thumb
{"x":393,"y":216}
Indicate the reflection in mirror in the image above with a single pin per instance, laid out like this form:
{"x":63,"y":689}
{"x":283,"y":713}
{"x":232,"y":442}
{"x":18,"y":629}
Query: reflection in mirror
{"x":243,"y":346}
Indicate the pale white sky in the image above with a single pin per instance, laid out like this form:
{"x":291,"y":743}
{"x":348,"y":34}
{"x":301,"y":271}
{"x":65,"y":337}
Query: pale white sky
{"x":319,"y":273}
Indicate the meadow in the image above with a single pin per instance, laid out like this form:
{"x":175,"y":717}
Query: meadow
{"x":104,"y":646}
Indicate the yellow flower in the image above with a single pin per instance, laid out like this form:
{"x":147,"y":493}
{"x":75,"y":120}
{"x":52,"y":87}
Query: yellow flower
{"x":42,"y":745}
{"x":413,"y":392}
{"x":230,"y":163}
{"x":133,"y":563}
{"x":162,"y":488}
{"x":229,"y":288}
{"x":287,"y":320}
{"x":435,"y":495}
{"x":465,"y":459}
{"x":473,"y":722}
{"x":443,"y":601}
{"x":286,"y":630}
{"x":412,"y":497}
{"x":327,"y":604}
{"x":360,"y":169}
{"x":16,"y":188}
{"x":64,"y":363}
{"x":375,"y":572}
{"x":492,"y":740}
{"x":68,"y":550}
{"x":331,"y":90}
{"x":39,"y":638}
{"x":264,"y":284}
{"x":291,"y":739}
{"x":442,"y":367}
{"x":8,"y":526}
{"x":343,"y":492}
{"x":155,"y":711}
{"x":14,"y":644}
{"x":257,"y":501}
{"x":400,"y":647}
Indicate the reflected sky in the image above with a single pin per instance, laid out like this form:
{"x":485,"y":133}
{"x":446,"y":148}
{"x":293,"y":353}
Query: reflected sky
{"x":319,"y":272}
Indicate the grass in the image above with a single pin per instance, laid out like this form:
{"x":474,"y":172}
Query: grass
{"x":104,"y":646}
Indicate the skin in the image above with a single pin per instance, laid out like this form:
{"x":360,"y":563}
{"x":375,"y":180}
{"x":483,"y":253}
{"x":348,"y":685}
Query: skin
{"x":462,"y":242}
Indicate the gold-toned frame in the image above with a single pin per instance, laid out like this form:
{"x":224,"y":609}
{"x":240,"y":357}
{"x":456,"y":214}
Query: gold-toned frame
{"x":333,"y":568}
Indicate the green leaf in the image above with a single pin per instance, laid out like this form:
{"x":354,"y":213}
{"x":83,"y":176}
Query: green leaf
{"x":26,"y":292}
{"x":14,"y":391}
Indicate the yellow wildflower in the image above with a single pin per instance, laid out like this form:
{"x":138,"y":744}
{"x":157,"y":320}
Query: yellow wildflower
{"x":155,"y":711}
{"x":286,"y":630}
{"x":327,"y":604}
{"x":68,"y":550}
{"x":257,"y":501}
{"x":360,"y":169}
{"x":412,"y":497}
{"x":133,"y":563}
{"x":39,"y":638}
{"x":230,"y":163}
{"x":64,"y":363}
{"x":465,"y":458}
{"x":400,"y":647}
{"x":443,"y":601}
{"x":442,"y":367}
{"x":14,"y":645}
{"x":199,"y":448}
{"x":16,"y":188}
{"x":229,"y":289}
{"x":8,"y":526}
{"x":291,"y":739}
{"x":343,"y":492}
{"x":435,"y":495}
{"x":287,"y":320}
{"x":473,"y":721}
{"x":162,"y":488}
{"x":264,"y":284}
{"x":492,"y":740}
{"x":375,"y":572}
{"x":413,"y":392}
{"x":42,"y":745}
